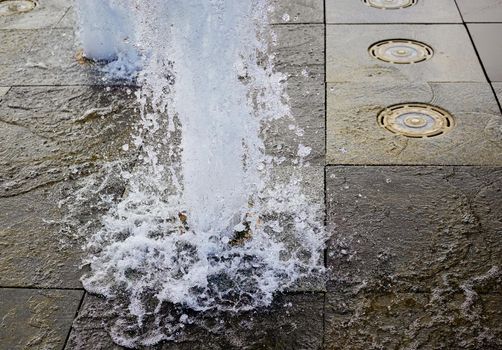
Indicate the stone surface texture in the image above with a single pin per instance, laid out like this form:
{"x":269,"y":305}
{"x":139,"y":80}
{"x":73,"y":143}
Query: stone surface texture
{"x":415,"y":229}
{"x":45,"y":57}
{"x":47,"y":14}
{"x":348,"y":59}
{"x":425,"y":11}
{"x":414,"y":258}
{"x":355,"y":137}
{"x":487,"y":38}
{"x":498,"y":90}
{"x":480,"y":10}
{"x":3,"y":91}
{"x":297,"y":11}
{"x":293,"y":322}
{"x":45,"y":131}
{"x":299,"y":55}
{"x":36,"y":319}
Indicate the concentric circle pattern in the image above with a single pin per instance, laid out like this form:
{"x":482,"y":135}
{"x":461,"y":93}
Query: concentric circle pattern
{"x":416,"y":120}
{"x":390,"y":4}
{"x":401,"y":51}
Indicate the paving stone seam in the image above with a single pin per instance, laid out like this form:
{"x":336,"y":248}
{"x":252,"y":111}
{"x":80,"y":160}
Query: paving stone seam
{"x":77,"y":311}
{"x":326,"y":252}
{"x":478,"y":55}
{"x":41,"y":288}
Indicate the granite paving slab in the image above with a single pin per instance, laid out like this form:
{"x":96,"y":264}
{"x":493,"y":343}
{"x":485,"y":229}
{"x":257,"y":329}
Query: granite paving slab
{"x":487,"y":41}
{"x":46,"y":14}
{"x":415,"y":229}
{"x":45,"y":57}
{"x":348,"y":58}
{"x":4,"y":90}
{"x":36,"y":319}
{"x":297,"y":11}
{"x":292,"y":322}
{"x":498,"y":90}
{"x":424,"y":11}
{"x":299,"y":55}
{"x":447,"y":320}
{"x":354,"y":135}
{"x":53,"y":133}
{"x":480,"y":10}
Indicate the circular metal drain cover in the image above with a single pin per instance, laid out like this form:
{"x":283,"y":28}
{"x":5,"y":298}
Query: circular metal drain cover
{"x":11,"y":7}
{"x":390,"y":4}
{"x":417,"y":120}
{"x":401,"y":51}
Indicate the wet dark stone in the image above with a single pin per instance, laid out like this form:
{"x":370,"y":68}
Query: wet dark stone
{"x":448,"y":320}
{"x":293,"y":322}
{"x":50,"y":134}
{"x":299,"y":54}
{"x":415,"y":229}
{"x":36,"y":319}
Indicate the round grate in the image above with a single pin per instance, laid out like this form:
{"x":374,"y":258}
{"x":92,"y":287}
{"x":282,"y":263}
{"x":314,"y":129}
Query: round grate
{"x":401,"y":51}
{"x":390,"y":4}
{"x":416,"y":120}
{"x":11,"y":7}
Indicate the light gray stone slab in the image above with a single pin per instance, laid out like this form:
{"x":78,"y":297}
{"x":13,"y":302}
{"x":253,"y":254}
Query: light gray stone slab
{"x":297,"y":11}
{"x":498,"y":90}
{"x":4,"y":90}
{"x":47,"y":14}
{"x":68,"y":21}
{"x":425,"y":11}
{"x":348,"y":59}
{"x":414,"y":229}
{"x":292,"y":322}
{"x":481,"y":10}
{"x":487,"y":41}
{"x":413,"y":321}
{"x":36,"y":319}
{"x":355,"y":137}
{"x":44,"y":57}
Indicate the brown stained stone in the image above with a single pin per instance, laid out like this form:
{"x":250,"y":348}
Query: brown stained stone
{"x":299,"y":54}
{"x":47,"y":14}
{"x":413,"y":321}
{"x":297,"y":11}
{"x":36,"y":319}
{"x":481,"y":10}
{"x":415,"y":229}
{"x":292,"y":322}
{"x":425,"y":11}
{"x":354,"y":136}
{"x":50,"y":134}
{"x":348,"y":59}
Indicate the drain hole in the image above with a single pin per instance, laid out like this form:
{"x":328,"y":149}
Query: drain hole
{"x":416,"y":120}
{"x":12,"y":7}
{"x":401,"y":51}
{"x":390,"y":4}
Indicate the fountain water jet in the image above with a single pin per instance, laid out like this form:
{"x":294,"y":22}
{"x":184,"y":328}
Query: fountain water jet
{"x":202,"y":226}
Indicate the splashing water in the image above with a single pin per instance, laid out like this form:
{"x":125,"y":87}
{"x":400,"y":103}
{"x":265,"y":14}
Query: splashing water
{"x":205,"y":223}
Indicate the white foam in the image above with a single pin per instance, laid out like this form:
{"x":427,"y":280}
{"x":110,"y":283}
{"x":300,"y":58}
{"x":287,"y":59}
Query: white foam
{"x":203,"y":224}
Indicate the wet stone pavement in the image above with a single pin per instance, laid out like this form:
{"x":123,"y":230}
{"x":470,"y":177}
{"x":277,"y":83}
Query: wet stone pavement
{"x":415,"y":222}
